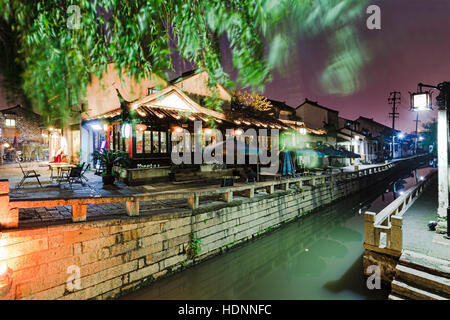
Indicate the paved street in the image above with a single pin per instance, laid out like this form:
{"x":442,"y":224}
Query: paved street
{"x":416,"y":236}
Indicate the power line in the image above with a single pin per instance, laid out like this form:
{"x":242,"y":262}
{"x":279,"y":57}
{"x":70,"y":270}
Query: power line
{"x":394,"y":99}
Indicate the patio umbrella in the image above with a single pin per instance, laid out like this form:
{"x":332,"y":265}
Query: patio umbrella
{"x":308,"y":153}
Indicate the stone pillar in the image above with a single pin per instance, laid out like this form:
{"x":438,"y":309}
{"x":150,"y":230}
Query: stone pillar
{"x":79,"y":212}
{"x":396,"y":233}
{"x":442,"y":137}
{"x":228,"y":196}
{"x":132,"y":208}
{"x":9,"y":217}
{"x":193,"y":201}
{"x":250,"y":192}
{"x":369,"y":229}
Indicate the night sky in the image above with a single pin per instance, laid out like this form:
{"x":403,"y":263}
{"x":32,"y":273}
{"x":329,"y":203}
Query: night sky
{"x":412,"y":46}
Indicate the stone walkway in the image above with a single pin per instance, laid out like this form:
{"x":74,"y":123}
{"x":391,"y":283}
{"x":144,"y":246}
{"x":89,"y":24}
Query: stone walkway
{"x":94,"y":187}
{"x":416,"y":236}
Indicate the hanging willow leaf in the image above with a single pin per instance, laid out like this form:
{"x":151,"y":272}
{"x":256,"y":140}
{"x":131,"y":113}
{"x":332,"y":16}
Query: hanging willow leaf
{"x":43,"y":60}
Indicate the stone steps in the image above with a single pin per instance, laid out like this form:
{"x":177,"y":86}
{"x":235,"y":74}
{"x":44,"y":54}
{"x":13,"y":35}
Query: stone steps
{"x":419,"y":277}
{"x":404,"y":291}
{"x":394,"y":297}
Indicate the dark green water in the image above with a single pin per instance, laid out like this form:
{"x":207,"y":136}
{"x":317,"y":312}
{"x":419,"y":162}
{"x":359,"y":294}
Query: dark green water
{"x":318,"y":256}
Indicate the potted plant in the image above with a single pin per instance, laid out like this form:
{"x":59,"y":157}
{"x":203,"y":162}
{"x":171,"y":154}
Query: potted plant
{"x":108,"y":159}
{"x":173,"y":170}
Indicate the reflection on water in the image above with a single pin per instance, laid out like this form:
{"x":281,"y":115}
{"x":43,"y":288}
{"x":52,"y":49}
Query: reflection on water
{"x":317,"y":257}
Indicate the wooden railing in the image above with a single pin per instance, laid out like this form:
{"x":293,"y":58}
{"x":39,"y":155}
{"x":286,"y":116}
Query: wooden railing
{"x":383,"y":230}
{"x":9,"y":207}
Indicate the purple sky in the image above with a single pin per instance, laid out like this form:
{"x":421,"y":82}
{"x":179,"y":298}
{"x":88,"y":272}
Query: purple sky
{"x":412,"y":46}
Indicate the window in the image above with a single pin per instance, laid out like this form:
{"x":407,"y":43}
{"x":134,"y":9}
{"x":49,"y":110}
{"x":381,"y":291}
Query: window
{"x":163,"y":142}
{"x":10,"y":122}
{"x":147,"y":142}
{"x":139,"y":141}
{"x":155,"y":142}
{"x":151,"y":91}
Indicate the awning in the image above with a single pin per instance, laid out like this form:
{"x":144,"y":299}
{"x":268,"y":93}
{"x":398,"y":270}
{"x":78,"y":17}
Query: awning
{"x":349,"y":154}
{"x":330,"y":152}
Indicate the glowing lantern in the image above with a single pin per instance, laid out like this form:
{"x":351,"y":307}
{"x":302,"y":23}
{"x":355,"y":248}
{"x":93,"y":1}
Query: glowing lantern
{"x":105,"y":127}
{"x":141,"y":127}
{"x":126,"y":128}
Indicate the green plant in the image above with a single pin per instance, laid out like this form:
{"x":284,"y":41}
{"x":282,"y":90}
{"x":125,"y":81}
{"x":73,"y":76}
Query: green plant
{"x":110,"y":158}
{"x":195,"y":246}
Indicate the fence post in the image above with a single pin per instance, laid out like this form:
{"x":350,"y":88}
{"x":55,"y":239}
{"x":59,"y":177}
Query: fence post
{"x":396,"y":233}
{"x":228,"y":196}
{"x":250,"y":192}
{"x":369,"y":228}
{"x":132,"y":208}
{"x":79,"y":212}
{"x":193,"y":201}
{"x":9,"y":217}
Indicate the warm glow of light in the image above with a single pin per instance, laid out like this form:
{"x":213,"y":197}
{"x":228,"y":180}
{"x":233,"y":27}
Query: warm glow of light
{"x":302,"y":131}
{"x":237,"y":122}
{"x":96,"y":127}
{"x":421,"y":178}
{"x":141,"y":127}
{"x":191,"y":118}
{"x":178,"y":129}
{"x":401,"y":135}
{"x":238,"y":132}
{"x":142,"y":113}
{"x":105,"y":127}
{"x":51,"y":129}
{"x":208,"y":131}
{"x":6,"y":145}
{"x":126,"y":128}
{"x":421,"y":101}
{"x":3,"y":256}
{"x":357,"y":138}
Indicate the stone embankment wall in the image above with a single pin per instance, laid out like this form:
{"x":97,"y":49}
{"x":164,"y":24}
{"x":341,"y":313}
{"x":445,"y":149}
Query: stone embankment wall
{"x":112,"y":257}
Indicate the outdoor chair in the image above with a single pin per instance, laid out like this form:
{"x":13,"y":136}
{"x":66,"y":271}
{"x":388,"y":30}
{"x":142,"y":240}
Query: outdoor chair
{"x":27,"y":174}
{"x":74,"y":176}
{"x":84,"y":171}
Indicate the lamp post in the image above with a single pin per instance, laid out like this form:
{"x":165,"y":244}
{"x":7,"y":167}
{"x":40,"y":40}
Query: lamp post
{"x":422,"y":101}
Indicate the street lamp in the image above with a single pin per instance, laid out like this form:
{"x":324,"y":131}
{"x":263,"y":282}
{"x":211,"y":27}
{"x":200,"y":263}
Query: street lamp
{"x":421,"y":101}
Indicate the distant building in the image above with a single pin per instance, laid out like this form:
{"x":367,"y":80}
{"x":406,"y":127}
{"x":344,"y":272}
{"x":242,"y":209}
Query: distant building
{"x":317,"y":116}
{"x":20,"y":131}
{"x":283,"y":111}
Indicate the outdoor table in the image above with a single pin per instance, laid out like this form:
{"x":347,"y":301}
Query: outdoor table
{"x":60,"y":167}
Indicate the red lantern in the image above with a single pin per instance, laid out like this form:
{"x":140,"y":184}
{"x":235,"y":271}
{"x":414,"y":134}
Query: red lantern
{"x":141,"y":127}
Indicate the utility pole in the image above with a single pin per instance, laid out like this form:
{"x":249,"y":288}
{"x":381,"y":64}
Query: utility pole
{"x":417,"y":131}
{"x":395,"y":100}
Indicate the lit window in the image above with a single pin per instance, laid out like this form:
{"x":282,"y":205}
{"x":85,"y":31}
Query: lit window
{"x":151,"y":90}
{"x":10,"y":122}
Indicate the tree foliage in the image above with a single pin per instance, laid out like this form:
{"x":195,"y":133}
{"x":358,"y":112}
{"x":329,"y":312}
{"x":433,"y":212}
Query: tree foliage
{"x":51,"y":64}
{"x":252,"y":100}
{"x":429,"y":135}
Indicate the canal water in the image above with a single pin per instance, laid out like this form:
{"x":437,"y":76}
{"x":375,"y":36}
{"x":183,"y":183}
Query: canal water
{"x":319,"y":256}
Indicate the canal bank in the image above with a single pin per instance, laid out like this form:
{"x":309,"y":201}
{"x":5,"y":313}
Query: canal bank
{"x":120,"y":255}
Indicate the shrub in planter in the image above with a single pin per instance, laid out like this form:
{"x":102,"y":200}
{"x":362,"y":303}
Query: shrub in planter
{"x":108,"y":159}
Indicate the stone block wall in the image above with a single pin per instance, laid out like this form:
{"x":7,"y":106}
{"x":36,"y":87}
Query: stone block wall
{"x":115,"y":256}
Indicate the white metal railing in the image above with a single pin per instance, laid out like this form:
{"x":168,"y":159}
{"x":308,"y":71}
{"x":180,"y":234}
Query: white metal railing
{"x":383,"y":230}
